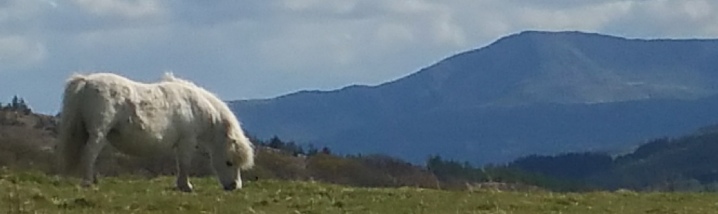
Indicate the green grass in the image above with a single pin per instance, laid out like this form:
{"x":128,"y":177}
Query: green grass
{"x":39,"y":193}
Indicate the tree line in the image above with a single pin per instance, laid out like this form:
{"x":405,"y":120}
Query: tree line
{"x":16,"y":104}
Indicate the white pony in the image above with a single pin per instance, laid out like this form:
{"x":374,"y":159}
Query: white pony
{"x":141,"y":118}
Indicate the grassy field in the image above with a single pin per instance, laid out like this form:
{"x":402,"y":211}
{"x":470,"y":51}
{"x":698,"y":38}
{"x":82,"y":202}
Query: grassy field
{"x":38,"y":193}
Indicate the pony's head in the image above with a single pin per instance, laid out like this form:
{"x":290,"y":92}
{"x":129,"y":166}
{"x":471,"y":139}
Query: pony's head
{"x":233,"y":153}
{"x":231,"y":150}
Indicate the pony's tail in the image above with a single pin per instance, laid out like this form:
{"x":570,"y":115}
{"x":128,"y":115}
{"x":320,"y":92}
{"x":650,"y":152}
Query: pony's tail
{"x":73,"y":135}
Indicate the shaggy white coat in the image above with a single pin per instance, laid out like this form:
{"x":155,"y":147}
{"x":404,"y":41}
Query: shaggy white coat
{"x":140,"y":118}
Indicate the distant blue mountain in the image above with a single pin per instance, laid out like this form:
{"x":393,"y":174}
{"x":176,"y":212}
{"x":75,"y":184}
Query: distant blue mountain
{"x":528,"y":93}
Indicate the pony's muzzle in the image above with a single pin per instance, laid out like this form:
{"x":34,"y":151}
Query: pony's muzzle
{"x":230,"y":186}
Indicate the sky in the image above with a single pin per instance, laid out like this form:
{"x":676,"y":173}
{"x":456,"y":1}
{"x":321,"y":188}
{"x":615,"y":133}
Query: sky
{"x":253,"y":49}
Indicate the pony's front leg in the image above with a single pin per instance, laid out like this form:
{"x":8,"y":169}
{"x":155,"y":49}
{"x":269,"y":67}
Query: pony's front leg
{"x":184,"y":153}
{"x":92,"y":149}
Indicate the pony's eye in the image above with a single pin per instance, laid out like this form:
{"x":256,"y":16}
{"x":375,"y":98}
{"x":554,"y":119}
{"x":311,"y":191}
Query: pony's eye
{"x":229,"y":163}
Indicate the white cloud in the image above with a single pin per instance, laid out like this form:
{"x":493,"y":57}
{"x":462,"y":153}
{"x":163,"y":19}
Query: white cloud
{"x":670,"y":18}
{"x":587,"y":17}
{"x":348,"y":36}
{"x":132,"y":9}
{"x":20,"y":53}
{"x":432,"y":22}
{"x":390,"y":33}
{"x":18,"y":10}
{"x":322,"y":6}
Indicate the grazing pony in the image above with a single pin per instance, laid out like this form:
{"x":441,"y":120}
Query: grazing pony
{"x":141,"y":119}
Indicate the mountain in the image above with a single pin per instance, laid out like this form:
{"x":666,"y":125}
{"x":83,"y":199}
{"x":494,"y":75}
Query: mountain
{"x":527,"y":93}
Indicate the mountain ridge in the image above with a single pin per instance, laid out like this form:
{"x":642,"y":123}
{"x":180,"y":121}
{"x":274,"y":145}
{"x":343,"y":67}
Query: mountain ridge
{"x":516,"y":75}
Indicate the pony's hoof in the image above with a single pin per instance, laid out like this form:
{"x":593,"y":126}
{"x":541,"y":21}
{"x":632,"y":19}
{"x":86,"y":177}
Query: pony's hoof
{"x":87,"y":184}
{"x":185,"y":188}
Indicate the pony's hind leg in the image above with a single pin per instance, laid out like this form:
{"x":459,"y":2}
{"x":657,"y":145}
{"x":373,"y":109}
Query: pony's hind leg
{"x":92,"y":149}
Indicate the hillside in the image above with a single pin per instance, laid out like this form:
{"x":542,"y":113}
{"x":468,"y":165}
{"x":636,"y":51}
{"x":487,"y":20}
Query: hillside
{"x":27,"y":142}
{"x":686,"y":163}
{"x":532,"y":92}
{"x":26,"y":138}
{"x":667,"y":164}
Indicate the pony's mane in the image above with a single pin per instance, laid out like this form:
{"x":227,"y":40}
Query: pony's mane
{"x":170,"y":77}
{"x":225,"y":114}
{"x":218,"y":104}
